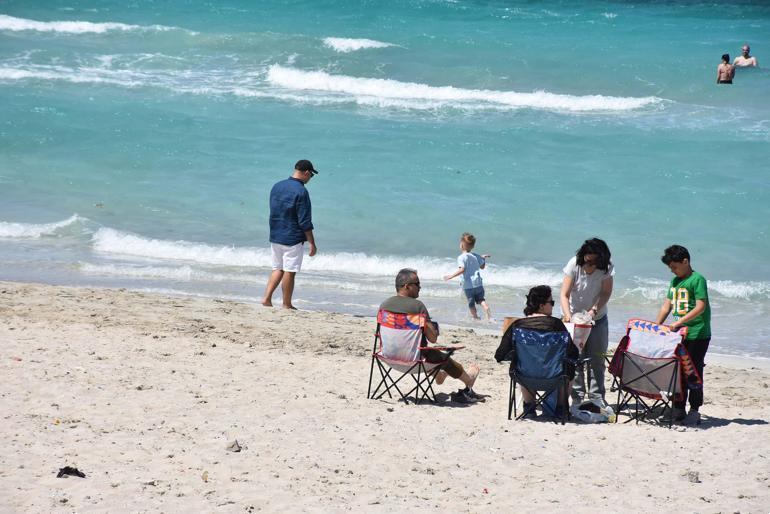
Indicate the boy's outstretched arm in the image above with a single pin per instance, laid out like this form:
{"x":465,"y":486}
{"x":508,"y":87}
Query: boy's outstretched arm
{"x":455,"y":274}
{"x":665,"y":309}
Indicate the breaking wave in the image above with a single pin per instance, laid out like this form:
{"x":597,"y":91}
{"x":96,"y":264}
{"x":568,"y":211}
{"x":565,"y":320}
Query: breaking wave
{"x":387,"y":92}
{"x":346,"y":45}
{"x":115,"y":242}
{"x":13,"y":24}
{"x":11,"y":230}
{"x":320,"y":88}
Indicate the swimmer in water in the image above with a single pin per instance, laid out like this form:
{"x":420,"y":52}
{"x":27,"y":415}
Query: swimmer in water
{"x":725,"y":70}
{"x":746,"y":60}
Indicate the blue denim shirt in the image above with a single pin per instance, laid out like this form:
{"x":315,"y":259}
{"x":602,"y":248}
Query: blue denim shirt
{"x":290,"y":212}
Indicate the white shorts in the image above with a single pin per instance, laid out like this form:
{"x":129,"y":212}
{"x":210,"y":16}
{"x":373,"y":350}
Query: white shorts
{"x":287,"y":258}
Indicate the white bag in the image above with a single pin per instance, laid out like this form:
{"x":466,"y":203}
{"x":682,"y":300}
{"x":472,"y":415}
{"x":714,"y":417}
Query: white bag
{"x":579,"y":333}
{"x":605,"y":414}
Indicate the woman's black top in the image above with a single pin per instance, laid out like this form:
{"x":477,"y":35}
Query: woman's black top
{"x":507,"y":351}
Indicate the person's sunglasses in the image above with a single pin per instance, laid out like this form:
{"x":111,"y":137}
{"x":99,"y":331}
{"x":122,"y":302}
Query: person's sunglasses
{"x":551,"y":302}
{"x":414,"y":284}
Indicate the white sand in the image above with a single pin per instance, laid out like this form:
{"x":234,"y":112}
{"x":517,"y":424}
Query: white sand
{"x":143,"y":393}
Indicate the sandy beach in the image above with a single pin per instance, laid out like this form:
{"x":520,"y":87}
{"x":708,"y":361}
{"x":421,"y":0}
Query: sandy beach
{"x":144,"y":393}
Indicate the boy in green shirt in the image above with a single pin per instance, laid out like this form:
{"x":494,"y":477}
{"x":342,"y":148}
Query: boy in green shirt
{"x":688,"y":300}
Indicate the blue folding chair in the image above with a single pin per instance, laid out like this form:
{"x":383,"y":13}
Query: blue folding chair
{"x":539,"y":366}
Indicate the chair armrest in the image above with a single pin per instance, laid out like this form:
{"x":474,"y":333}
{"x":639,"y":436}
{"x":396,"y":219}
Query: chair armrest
{"x":442,"y":348}
{"x":577,"y":362}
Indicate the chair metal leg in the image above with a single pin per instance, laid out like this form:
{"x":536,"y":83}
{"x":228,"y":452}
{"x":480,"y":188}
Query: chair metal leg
{"x":371,"y":368}
{"x":515,"y":402}
{"x":371,"y":373}
{"x":565,"y":402}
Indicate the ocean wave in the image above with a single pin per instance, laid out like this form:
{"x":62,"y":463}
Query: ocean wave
{"x":79,"y":76}
{"x":319,"y":88}
{"x":111,"y":241}
{"x":11,"y":23}
{"x":115,"y":242}
{"x":655,"y":289}
{"x":175,"y":273}
{"x":740,"y":290}
{"x":415,"y":94}
{"x":346,"y":45}
{"x":10,"y":230}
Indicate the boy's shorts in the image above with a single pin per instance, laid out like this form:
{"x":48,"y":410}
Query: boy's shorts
{"x":287,"y":258}
{"x":474,"y":295}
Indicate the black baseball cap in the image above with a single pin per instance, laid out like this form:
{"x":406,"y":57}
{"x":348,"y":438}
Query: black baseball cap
{"x":305,"y":165}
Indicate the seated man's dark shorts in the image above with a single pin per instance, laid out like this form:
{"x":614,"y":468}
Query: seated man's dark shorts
{"x":453,"y":368}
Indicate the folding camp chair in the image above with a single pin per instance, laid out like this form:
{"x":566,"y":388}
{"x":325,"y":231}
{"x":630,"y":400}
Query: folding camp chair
{"x":539,"y":362}
{"x":651,"y":365}
{"x":398,"y":342}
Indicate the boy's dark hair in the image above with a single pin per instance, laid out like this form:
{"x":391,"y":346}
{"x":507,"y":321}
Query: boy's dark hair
{"x":468,"y":239}
{"x":536,"y":297}
{"x":726,"y":57}
{"x":404,"y":276}
{"x":596,"y":247}
{"x":675,"y":253}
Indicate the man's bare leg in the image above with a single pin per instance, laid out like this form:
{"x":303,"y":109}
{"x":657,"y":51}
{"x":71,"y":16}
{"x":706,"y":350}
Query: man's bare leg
{"x":474,"y":313}
{"x":272,"y":285}
{"x":287,"y":286}
{"x":470,"y":375}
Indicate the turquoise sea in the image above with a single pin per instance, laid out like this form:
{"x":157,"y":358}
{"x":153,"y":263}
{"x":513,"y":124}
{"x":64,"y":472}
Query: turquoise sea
{"x":139,"y":141}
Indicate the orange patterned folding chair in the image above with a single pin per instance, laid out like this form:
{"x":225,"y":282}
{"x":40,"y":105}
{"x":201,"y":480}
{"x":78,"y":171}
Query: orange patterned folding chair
{"x":398,"y":342}
{"x":652,"y":367}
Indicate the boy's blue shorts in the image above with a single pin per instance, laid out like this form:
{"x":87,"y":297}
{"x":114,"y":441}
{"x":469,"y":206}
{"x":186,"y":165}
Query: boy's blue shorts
{"x":474,"y":295}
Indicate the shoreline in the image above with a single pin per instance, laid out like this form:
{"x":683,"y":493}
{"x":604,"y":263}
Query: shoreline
{"x":144,"y":393}
{"x":722,"y":359}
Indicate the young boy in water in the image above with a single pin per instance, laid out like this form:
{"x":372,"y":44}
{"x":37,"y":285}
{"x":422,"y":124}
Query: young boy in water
{"x":688,"y":299}
{"x":469,"y":265}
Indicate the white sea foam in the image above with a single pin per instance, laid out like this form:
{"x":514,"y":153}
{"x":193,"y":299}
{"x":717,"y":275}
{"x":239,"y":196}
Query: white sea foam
{"x":320,"y":88}
{"x":79,"y":76}
{"x":655,"y":289}
{"x":740,"y":290}
{"x":111,"y":241}
{"x":114,"y":242}
{"x":12,"y":230}
{"x":176,"y":273}
{"x":346,"y":45}
{"x":415,"y":95}
{"x":11,"y":23}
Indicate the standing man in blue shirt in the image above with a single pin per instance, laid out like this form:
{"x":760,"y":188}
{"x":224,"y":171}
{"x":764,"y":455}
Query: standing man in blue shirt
{"x":291,"y":225}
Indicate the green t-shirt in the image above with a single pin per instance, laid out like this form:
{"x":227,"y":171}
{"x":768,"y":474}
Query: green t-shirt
{"x":683,"y":292}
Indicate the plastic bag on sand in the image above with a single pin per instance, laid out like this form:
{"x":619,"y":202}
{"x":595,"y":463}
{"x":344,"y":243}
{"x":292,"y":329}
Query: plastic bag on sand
{"x":592,"y":411}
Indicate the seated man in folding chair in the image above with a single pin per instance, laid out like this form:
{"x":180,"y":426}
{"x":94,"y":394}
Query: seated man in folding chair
{"x":406,"y":302}
{"x":538,"y":312}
